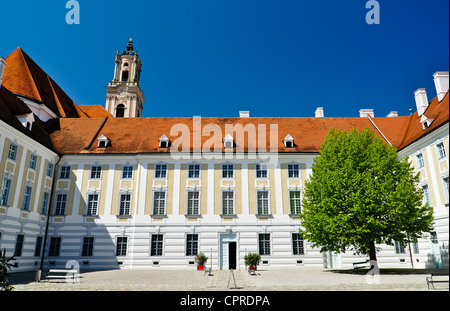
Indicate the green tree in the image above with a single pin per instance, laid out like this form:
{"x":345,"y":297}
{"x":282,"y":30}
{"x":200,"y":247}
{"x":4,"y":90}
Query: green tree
{"x":360,"y":195}
{"x":4,"y":266}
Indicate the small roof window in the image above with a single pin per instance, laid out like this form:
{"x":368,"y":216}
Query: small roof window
{"x":288,"y":141}
{"x":103,"y":141}
{"x":164,"y":141}
{"x":228,"y":142}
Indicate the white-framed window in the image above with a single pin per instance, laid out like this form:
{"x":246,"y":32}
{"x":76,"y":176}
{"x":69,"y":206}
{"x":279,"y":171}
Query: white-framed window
{"x":295,"y":202}
{"x":191,"y":244}
{"x":33,"y":161}
{"x":45,"y":202}
{"x":127,"y":172}
{"x":159,"y":203}
{"x":19,"y":245}
{"x":6,"y":187}
{"x":55,"y":246}
{"x":420,"y":162}
{"x":227,"y":171}
{"x":65,"y":172}
{"x":121,"y":245}
{"x":96,"y":172}
{"x":264,"y":243}
{"x":261,"y":171}
{"x":12,"y":152}
{"x":88,"y":246}
{"x":194,"y":171}
{"x":399,"y":248}
{"x":227,"y":202}
{"x":157,"y":245}
{"x":262,"y":197}
{"x":293,"y":170}
{"x":426,"y":194}
{"x":161,"y":171}
{"x":298,"y":247}
{"x":441,"y":150}
{"x":38,"y":246}
{"x":193,"y":203}
{"x":50,"y":169}
{"x":92,"y":204}
{"x":60,"y":207}
{"x":446,"y":189}
{"x":125,"y":204}
{"x":27,"y":198}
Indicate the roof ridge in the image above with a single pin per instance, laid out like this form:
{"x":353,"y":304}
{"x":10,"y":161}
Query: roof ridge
{"x":58,"y":103}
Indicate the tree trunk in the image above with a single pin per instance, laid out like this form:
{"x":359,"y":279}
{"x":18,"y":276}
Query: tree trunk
{"x":372,"y":252}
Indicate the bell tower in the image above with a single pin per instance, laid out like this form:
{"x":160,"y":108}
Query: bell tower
{"x":124,"y":97}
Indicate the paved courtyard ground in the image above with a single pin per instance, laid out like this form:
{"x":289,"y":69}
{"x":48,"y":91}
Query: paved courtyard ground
{"x":308,"y":279}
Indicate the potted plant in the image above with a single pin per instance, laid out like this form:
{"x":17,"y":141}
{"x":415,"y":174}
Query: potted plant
{"x":201,"y":259}
{"x":252,"y":260}
{"x":4,"y":266}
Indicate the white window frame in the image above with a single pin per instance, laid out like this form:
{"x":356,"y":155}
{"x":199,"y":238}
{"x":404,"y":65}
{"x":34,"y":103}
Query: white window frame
{"x":441,"y":152}
{"x":45,"y":202}
{"x":228,"y":171}
{"x":268,"y":203}
{"x":156,"y":244}
{"x":301,"y":248}
{"x":161,"y":170}
{"x":298,"y":209}
{"x":426,"y":194}
{"x":60,"y":205}
{"x":123,"y":250}
{"x":264,"y":246}
{"x":5,"y":191}
{"x":192,"y":250}
{"x":92,"y":172}
{"x":64,"y":172}
{"x":27,"y":193}
{"x":89,"y":208}
{"x":293,"y":170}
{"x":33,"y":161}
{"x":119,"y":211}
{"x":260,"y":168}
{"x":420,"y":161}
{"x":126,"y":171}
{"x":50,"y":169}
{"x":187,"y":203}
{"x":164,"y":200}
{"x":194,"y":170}
{"x":445,"y":185}
{"x":233,"y":207}
{"x":12,"y":152}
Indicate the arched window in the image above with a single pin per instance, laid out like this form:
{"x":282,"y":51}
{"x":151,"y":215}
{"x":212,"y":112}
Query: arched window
{"x":125,"y":76}
{"x":120,"y":111}
{"x":125,"y":64}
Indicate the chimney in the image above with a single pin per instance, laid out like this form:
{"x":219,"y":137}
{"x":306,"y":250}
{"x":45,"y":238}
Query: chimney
{"x":244,"y":114}
{"x":2,"y":68}
{"x":441,"y":83}
{"x":421,"y":101}
{"x":392,"y":114}
{"x":319,"y":112}
{"x":364,"y":113}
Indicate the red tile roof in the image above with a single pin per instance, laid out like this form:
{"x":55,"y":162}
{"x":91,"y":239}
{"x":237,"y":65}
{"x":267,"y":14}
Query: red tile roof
{"x":94,"y":111}
{"x":23,"y":76}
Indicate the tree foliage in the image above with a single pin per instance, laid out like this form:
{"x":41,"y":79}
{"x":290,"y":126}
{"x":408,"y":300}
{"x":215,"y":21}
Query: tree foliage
{"x":4,"y":266}
{"x":360,"y":194}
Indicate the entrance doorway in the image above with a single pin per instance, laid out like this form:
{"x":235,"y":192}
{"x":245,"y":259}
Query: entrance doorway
{"x":232,"y":256}
{"x":228,"y":252}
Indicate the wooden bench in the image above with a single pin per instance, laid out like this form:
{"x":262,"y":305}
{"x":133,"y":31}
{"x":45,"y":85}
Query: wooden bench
{"x":62,"y":274}
{"x":437,"y":277}
{"x":361,"y":264}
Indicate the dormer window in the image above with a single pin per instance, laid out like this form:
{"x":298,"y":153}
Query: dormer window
{"x":228,"y":142}
{"x":426,"y":121}
{"x":164,"y":142}
{"x":27,"y":120}
{"x":103,"y":141}
{"x":288,"y":141}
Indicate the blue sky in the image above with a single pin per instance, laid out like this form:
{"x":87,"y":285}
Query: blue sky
{"x":215,"y":57}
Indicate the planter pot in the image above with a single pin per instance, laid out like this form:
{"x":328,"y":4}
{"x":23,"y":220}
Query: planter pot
{"x":252,"y":268}
{"x":200,"y":268}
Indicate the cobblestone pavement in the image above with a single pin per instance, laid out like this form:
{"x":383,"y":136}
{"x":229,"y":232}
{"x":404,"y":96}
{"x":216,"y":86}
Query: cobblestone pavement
{"x":308,"y":279}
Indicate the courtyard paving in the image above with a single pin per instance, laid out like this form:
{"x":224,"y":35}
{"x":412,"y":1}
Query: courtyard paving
{"x":308,"y":279}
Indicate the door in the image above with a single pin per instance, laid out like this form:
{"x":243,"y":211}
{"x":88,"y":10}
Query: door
{"x":228,"y":251}
{"x":232,"y":255}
